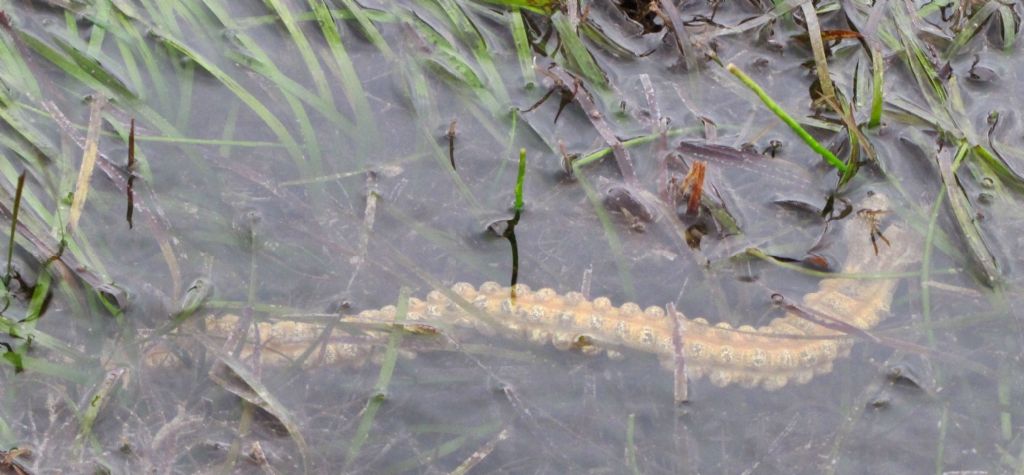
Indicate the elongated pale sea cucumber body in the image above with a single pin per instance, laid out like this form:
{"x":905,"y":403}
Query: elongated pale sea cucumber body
{"x":794,"y":347}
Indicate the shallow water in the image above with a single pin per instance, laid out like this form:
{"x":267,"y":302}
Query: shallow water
{"x":269,"y":179}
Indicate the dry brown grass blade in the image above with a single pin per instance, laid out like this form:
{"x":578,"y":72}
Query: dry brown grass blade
{"x":89,"y":154}
{"x":480,"y":454}
{"x":143,"y":197}
{"x":818,"y":47}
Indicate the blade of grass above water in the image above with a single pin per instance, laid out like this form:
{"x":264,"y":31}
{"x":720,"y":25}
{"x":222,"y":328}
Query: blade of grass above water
{"x":787,"y":119}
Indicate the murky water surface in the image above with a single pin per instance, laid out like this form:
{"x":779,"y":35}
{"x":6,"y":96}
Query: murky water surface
{"x":295,"y":162}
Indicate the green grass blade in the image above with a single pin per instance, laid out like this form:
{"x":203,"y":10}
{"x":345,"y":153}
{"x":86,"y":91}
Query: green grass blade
{"x":305,"y":50}
{"x":520,"y":178}
{"x":269,"y":118}
{"x":97,"y":401}
{"x":877,"y":87}
{"x":471,"y":37}
{"x":1010,"y":25}
{"x":367,"y":27}
{"x":137,"y":42}
{"x":964,"y":214}
{"x":576,"y":52}
{"x":523,"y":50}
{"x":971,"y":29}
{"x":383,"y":380}
{"x":346,"y":71}
{"x":787,"y":119}
{"x":98,"y":31}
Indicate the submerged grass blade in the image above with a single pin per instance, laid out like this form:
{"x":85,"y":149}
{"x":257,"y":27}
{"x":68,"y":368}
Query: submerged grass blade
{"x":610,"y":233}
{"x":15,"y":209}
{"x":877,"y":83}
{"x":631,"y":444}
{"x":268,"y":117}
{"x":785,"y":117}
{"x":962,"y":211}
{"x":136,"y":40}
{"x":542,"y":7}
{"x":523,"y":50}
{"x":818,"y":48}
{"x":450,"y":62}
{"x":1010,"y":24}
{"x":1000,"y":167}
{"x":480,"y":454}
{"x":346,"y":71}
{"x":425,"y":459}
{"x":232,"y":375}
{"x":94,"y":66}
{"x":368,"y":28}
{"x":380,"y":389}
{"x":92,"y":142}
{"x":12,"y":56}
{"x":921,"y":66}
{"x":973,"y":26}
{"x":97,"y":401}
{"x":298,"y":39}
{"x":578,"y":54}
